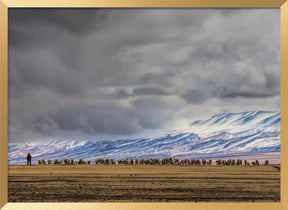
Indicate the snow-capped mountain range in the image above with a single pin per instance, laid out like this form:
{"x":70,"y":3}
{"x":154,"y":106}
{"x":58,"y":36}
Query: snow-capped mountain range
{"x":229,"y":135}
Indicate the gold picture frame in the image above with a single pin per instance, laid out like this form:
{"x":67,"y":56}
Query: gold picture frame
{"x":5,"y":4}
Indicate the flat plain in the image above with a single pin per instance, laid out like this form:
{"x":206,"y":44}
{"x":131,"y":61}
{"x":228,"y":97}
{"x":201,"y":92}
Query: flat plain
{"x":143,"y":183}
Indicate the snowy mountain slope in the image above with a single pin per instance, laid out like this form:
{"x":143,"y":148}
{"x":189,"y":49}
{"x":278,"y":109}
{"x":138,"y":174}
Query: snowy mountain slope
{"x":224,"y":135}
{"x":236,"y":122}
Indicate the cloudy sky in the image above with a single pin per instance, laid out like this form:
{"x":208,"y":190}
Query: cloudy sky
{"x":128,"y":73}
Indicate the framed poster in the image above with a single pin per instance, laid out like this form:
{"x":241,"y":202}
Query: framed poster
{"x":143,"y":104}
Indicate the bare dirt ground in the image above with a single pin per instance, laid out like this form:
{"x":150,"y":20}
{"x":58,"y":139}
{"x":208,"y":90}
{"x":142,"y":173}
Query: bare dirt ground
{"x":119,"y":183}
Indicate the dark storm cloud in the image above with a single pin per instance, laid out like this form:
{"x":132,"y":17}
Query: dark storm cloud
{"x":142,"y":91}
{"x":150,"y":91}
{"x":127,"y":71}
{"x":153,"y":113}
{"x":195,"y":96}
{"x":246,"y":95}
{"x":200,"y":96}
{"x":106,"y":118}
{"x":76,"y":22}
{"x":122,"y":93}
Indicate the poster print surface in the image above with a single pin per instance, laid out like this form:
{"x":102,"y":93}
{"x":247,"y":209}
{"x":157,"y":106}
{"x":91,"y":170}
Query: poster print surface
{"x":144,"y":105}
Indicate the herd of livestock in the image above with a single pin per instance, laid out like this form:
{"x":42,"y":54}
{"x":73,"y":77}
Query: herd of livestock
{"x":152,"y":161}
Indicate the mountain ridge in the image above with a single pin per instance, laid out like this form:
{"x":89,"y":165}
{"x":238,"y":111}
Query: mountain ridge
{"x":222,"y":135}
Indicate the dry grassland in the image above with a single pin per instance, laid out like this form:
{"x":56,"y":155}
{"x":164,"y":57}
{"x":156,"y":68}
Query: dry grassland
{"x":119,"y":183}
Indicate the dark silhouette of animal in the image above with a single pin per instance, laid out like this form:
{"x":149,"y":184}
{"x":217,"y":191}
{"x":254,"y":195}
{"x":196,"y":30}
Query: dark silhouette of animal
{"x":176,"y":161}
{"x":142,"y":162}
{"x":156,"y":161}
{"x":57,"y":162}
{"x":100,"y":161}
{"x":255,"y":163}
{"x":167,"y":161}
{"x":123,"y":161}
{"x":131,"y":161}
{"x":149,"y":161}
{"x":218,"y":162}
{"x":67,"y":161}
{"x":81,"y":161}
{"x":238,"y":162}
{"x":184,"y":162}
{"x":193,"y":162}
{"x":204,"y":162}
{"x":41,"y":162}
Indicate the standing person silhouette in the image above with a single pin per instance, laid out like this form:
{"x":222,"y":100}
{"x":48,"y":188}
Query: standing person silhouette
{"x":29,"y":159}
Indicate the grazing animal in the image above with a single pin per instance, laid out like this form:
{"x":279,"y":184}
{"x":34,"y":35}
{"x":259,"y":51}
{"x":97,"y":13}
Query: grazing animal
{"x":167,"y":161}
{"x":66,"y":161}
{"x":204,"y":162}
{"x":156,"y":161}
{"x":100,"y":161}
{"x":41,"y":162}
{"x":149,"y":161}
{"x":246,"y":163}
{"x":123,"y":161}
{"x":184,"y":162}
{"x":193,"y":162}
{"x":131,"y":161}
{"x":81,"y":161}
{"x":238,"y":162}
{"x":176,"y":161}
{"x":57,"y":162}
{"x":107,"y":161}
{"x":218,"y":162}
